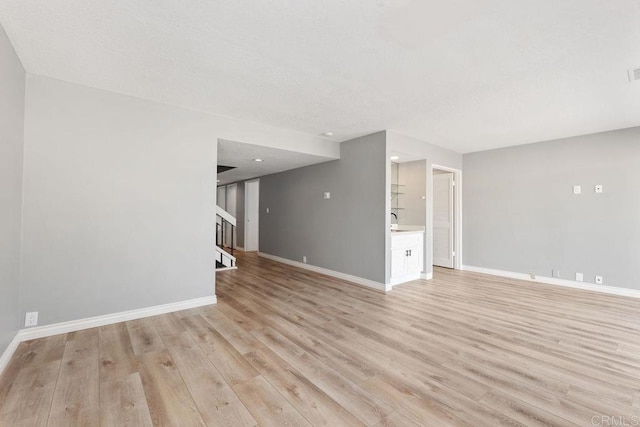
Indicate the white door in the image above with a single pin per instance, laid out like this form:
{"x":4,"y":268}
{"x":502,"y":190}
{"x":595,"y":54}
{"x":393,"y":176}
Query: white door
{"x":443,"y":220}
{"x":252,"y":215}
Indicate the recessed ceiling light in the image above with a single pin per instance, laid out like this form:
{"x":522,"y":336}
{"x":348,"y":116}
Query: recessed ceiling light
{"x":257,"y":160}
{"x":327,"y":134}
{"x":394,"y":157}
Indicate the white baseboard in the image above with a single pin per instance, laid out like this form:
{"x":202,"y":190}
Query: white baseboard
{"x":107,"y":319}
{"x":226,"y":269}
{"x":634,"y":293}
{"x":426,"y":276}
{"x":8,"y":353}
{"x":405,"y":279}
{"x":93,"y":322}
{"x":348,"y":277}
{"x":239,"y":248}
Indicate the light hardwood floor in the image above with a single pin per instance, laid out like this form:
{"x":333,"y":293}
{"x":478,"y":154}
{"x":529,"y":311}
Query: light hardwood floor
{"x":285,"y":346}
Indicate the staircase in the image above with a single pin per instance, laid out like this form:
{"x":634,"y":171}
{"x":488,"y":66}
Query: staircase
{"x":225,"y":230}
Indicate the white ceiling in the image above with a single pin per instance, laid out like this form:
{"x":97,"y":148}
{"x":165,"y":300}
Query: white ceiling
{"x":464,"y":74}
{"x":241,"y":155}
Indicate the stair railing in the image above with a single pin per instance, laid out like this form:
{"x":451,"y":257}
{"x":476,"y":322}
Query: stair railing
{"x":225,"y":223}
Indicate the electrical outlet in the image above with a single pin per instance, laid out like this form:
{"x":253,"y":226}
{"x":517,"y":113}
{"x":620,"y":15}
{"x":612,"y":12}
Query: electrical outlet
{"x":31,"y":319}
{"x":577,"y":189}
{"x":327,"y":195}
{"x":533,"y":276}
{"x":599,"y":280}
{"x":579,"y":277}
{"x":304,"y":259}
{"x":267,"y":210}
{"x":555,"y":273}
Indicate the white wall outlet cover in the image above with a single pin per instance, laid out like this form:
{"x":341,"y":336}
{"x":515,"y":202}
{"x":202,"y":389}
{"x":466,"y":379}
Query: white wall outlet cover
{"x":579,"y":277}
{"x":598,"y":188}
{"x":577,"y":189}
{"x":304,"y":259}
{"x":599,"y":280}
{"x":327,"y":195}
{"x":31,"y":319}
{"x":267,"y":210}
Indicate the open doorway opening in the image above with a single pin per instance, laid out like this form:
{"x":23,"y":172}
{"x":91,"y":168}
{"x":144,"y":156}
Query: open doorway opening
{"x":446,"y":218}
{"x":240,"y":165}
{"x":408,"y":220}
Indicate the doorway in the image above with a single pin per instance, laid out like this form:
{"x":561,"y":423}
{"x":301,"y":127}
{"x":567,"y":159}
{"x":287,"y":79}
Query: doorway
{"x":445,"y":219}
{"x":252,"y":215}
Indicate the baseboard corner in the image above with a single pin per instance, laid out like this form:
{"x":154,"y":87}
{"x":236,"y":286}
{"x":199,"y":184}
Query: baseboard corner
{"x":5,"y":358}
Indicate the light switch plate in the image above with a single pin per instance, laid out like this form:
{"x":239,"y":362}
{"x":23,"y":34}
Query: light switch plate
{"x":598,"y":188}
{"x":577,"y":189}
{"x":599,"y":280}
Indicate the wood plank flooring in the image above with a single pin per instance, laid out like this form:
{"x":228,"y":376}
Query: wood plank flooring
{"x":285,"y":346}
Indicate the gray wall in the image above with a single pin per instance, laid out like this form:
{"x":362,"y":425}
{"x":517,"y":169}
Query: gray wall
{"x":413,"y":177}
{"x":345,"y":233}
{"x":520,"y":214}
{"x":12,"y":86}
{"x":119,"y":202}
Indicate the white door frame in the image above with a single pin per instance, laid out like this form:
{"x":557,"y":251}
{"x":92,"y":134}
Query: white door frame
{"x":246,"y":206}
{"x":457,"y":213}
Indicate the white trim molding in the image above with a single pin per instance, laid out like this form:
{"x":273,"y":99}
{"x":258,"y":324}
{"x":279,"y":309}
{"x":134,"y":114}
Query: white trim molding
{"x":405,"y":279}
{"x":226,"y":269}
{"x":348,"y":277}
{"x":613,"y":290}
{"x":8,"y":353}
{"x":426,"y":276}
{"x":93,"y":322}
{"x":108,"y":319}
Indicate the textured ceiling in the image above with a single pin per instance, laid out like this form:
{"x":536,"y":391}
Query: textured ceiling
{"x":464,"y":74}
{"x":240,"y":155}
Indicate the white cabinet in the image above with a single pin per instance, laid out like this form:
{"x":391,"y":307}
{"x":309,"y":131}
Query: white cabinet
{"x":406,"y":256}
